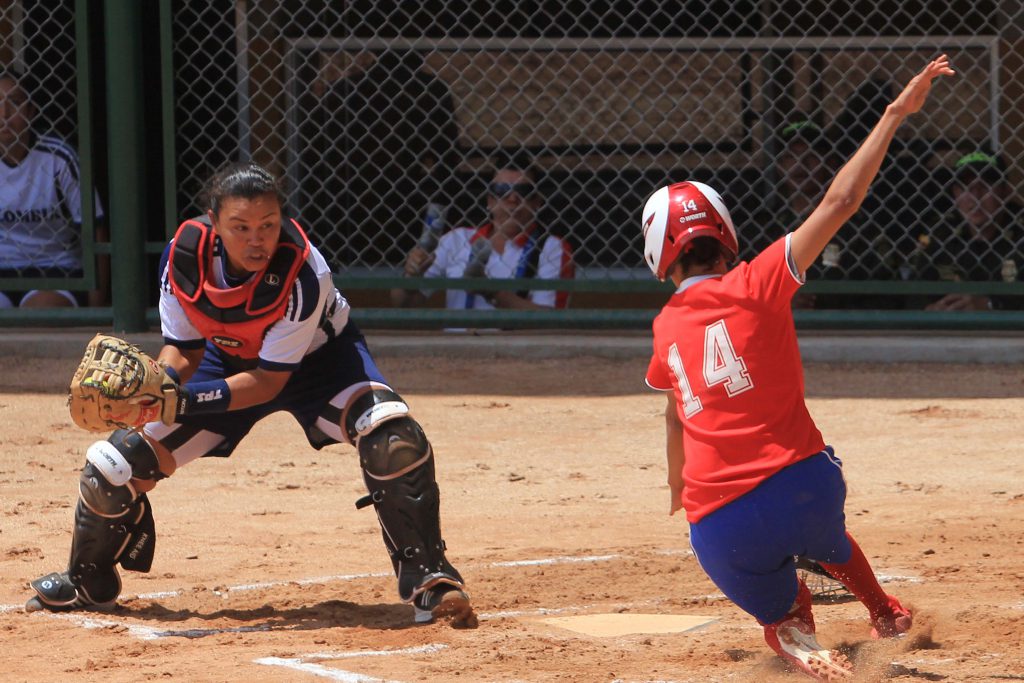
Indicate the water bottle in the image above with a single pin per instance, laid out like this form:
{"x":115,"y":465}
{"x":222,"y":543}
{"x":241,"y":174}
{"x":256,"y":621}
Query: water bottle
{"x":1009,"y":270}
{"x":433,"y":226}
{"x":479,"y":253}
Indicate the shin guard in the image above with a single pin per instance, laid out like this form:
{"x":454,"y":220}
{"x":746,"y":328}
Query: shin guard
{"x":398,"y":468}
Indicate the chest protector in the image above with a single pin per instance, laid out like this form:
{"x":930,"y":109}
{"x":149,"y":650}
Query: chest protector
{"x":235,"y":319}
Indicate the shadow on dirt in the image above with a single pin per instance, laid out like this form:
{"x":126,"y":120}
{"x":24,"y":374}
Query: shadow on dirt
{"x":324,"y":615}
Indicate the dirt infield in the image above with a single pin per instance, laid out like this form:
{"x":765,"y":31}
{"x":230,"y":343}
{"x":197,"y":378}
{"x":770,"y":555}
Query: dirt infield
{"x":553,"y":504}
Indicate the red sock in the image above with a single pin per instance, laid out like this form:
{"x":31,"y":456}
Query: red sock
{"x":859,"y":579}
{"x":801,"y":608}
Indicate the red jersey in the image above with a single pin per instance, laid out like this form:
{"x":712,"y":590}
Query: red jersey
{"x":726,"y":345}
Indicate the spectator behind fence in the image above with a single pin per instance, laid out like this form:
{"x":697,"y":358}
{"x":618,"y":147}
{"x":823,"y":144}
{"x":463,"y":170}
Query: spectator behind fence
{"x":805,"y":168}
{"x":981,"y":240}
{"x":40,"y":204}
{"x":383,"y":136}
{"x":512,"y":245}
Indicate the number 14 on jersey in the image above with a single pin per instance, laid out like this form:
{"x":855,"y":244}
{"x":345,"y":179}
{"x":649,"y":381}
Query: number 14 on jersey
{"x":721,"y":365}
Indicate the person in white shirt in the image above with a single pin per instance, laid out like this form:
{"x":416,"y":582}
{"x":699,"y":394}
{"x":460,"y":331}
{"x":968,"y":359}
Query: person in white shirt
{"x":40,"y":204}
{"x":512,"y":245}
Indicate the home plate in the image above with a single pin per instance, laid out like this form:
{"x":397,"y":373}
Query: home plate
{"x":611,"y":625}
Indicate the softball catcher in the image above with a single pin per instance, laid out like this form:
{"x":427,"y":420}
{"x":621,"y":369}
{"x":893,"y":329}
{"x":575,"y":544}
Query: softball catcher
{"x":252,"y":324}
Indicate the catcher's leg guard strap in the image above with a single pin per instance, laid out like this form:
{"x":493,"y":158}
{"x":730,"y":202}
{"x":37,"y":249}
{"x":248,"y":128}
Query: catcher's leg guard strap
{"x":398,"y":468}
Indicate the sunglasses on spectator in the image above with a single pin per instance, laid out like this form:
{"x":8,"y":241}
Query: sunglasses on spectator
{"x":502,"y":190}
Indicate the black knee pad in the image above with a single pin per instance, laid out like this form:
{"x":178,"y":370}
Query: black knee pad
{"x":139,"y":454}
{"x":370,"y":409}
{"x":105,"y":483}
{"x":393,"y":448}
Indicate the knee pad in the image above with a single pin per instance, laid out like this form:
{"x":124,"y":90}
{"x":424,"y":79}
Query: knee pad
{"x":369,"y":410}
{"x":393,"y":449}
{"x":105,"y":483}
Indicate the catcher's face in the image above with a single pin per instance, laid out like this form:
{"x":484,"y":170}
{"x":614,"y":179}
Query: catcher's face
{"x":249,"y":228}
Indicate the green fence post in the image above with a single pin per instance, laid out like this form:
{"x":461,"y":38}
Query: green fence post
{"x":123,"y":28}
{"x":170,"y":154}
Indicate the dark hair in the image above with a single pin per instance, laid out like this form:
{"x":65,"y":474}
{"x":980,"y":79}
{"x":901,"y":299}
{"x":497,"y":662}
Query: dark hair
{"x":703,"y":251}
{"x":241,"y":179}
{"x":517,"y":161}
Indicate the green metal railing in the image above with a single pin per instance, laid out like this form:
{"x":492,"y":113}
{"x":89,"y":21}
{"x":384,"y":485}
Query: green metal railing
{"x":610,"y":319}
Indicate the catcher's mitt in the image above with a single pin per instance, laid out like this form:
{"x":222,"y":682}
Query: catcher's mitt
{"x":119,"y":386}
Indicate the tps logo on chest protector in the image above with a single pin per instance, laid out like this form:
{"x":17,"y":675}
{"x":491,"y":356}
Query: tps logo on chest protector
{"x":226,"y":341}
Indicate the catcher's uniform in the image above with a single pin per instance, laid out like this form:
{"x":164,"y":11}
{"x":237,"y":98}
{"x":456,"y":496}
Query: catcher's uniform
{"x":726,"y":345}
{"x":309,"y":334}
{"x":287,"y":317}
{"x":533,"y":255}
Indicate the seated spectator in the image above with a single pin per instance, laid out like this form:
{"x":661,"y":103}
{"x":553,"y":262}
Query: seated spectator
{"x":40,"y":204}
{"x":981,"y":240}
{"x":803,"y":172}
{"x":861,"y":253}
{"x":511,"y":245}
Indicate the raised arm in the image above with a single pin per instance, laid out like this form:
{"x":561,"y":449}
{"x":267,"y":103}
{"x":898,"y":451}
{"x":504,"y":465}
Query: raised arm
{"x":848,"y":189}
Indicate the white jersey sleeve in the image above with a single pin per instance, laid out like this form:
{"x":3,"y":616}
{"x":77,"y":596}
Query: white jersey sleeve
{"x":315,"y":311}
{"x":555,"y":263}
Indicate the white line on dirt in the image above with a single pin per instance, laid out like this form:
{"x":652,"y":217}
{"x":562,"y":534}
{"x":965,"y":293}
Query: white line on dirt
{"x":555,"y":560}
{"x":148,"y":632}
{"x":301,"y":663}
{"x":416,"y":650}
{"x":318,"y":670}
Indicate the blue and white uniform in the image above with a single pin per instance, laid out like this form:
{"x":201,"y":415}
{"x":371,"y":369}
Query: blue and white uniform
{"x":551,"y":258}
{"x":314,"y":339}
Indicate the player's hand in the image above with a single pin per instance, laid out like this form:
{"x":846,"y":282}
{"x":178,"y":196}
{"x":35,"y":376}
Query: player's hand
{"x":676,"y":491}
{"x":913,"y":96}
{"x":417,"y":262}
{"x":498,"y":242}
{"x":961,"y":302}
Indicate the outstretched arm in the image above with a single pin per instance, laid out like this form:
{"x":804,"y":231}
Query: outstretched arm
{"x":851,"y":184}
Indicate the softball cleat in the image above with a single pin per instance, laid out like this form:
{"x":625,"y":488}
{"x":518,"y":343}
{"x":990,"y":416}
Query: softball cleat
{"x":447,"y":602}
{"x":794,"y":641}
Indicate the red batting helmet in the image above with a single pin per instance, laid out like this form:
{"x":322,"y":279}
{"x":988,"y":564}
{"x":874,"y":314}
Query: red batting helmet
{"x":676,"y":215}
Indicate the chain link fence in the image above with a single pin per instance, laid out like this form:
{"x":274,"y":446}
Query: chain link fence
{"x":372,"y":110}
